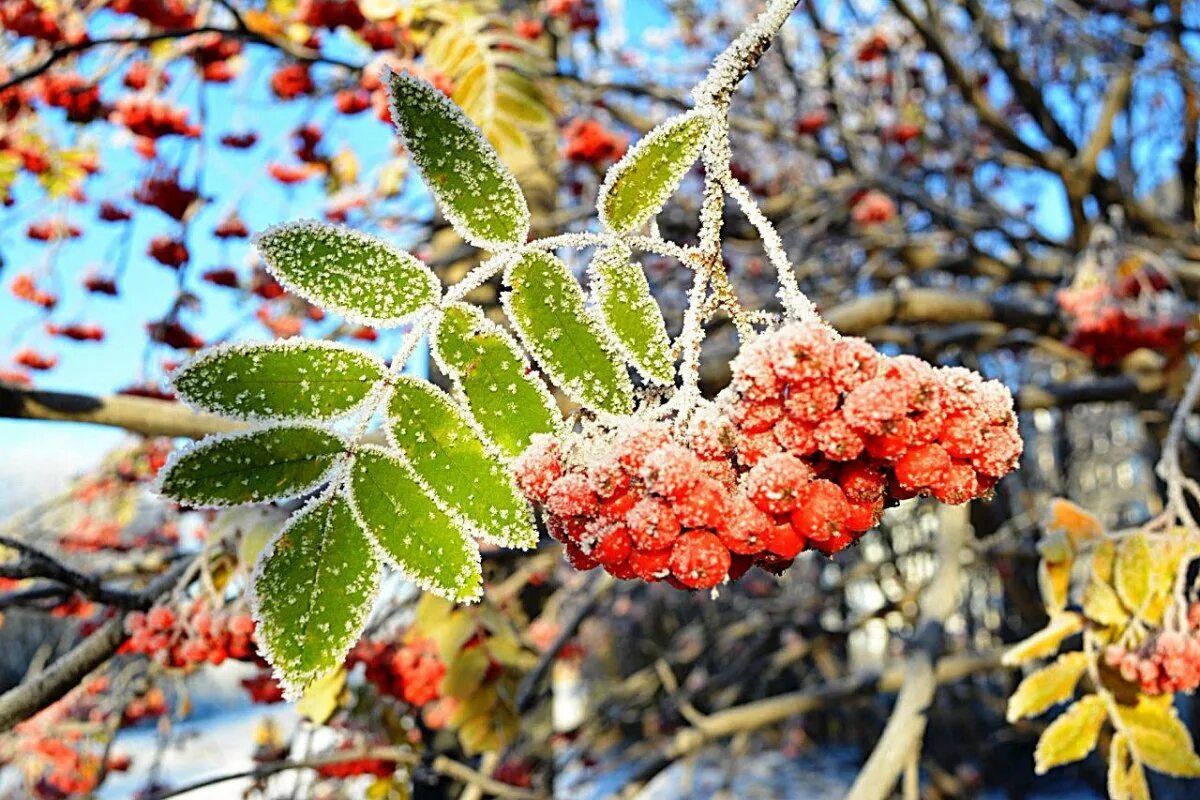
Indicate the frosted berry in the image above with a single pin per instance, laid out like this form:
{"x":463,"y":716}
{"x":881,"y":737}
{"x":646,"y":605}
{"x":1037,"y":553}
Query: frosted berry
{"x":699,"y":560}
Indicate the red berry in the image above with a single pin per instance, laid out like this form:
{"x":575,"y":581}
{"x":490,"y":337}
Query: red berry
{"x":699,"y":560}
{"x":652,"y":524}
{"x":923,"y":467}
{"x":821,"y":511}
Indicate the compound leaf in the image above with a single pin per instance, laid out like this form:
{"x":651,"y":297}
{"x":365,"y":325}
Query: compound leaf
{"x":507,"y":401}
{"x":414,"y":533}
{"x":638,"y":185}
{"x":294,"y":379}
{"x":232,"y":469}
{"x":476,"y":192}
{"x":443,"y":448}
{"x":364,"y":279}
{"x":312,"y":592}
{"x":546,"y":307}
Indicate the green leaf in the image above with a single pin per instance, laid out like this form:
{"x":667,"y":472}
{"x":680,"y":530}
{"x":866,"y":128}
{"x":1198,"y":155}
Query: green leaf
{"x":546,"y":307}
{"x":632,"y":315}
{"x":312,"y":592}
{"x":412,"y":530}
{"x":1048,"y":686}
{"x":294,"y":379}
{"x":477,"y":193}
{"x":638,"y":185}
{"x":364,"y":279}
{"x":446,"y":452}
{"x":507,"y":401}
{"x":1072,"y":734}
{"x":231,"y":469}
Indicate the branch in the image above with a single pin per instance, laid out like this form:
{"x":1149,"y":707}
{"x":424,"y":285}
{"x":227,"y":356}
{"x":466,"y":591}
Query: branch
{"x":135,"y":414}
{"x":36,"y":563}
{"x":440,"y":764}
{"x":598,"y":584}
{"x":1029,"y":95}
{"x":242,"y":32}
{"x":742,"y":54}
{"x":905,"y":729}
{"x":1101,"y":136}
{"x":773,"y":710}
{"x":50,"y":685}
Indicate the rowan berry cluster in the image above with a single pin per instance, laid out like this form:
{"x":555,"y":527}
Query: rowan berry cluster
{"x":27,"y":18}
{"x":815,"y":436}
{"x":263,"y":688}
{"x":78,"y":97}
{"x":24,"y":287}
{"x":164,"y":192}
{"x":1167,"y":662}
{"x":200,"y":636}
{"x":589,"y":142}
{"x":52,"y":230}
{"x":410,"y":671}
{"x":153,"y":118}
{"x":31,"y":359}
{"x":79,"y":332}
{"x":1111,"y":319}
{"x":168,"y":251}
{"x":379,"y":767}
{"x":170,"y":14}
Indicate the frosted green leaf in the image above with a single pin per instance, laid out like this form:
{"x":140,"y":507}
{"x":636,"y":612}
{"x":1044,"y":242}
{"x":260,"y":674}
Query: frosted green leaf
{"x":423,"y":541}
{"x":366,"y":280}
{"x":638,"y":185}
{"x":507,"y":401}
{"x":629,"y":310}
{"x":232,"y":469}
{"x":293,"y":379}
{"x":445,"y":451}
{"x":476,"y":192}
{"x":546,"y":307}
{"x":312,"y":591}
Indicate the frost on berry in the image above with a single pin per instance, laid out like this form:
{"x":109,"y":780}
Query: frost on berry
{"x":815,"y":436}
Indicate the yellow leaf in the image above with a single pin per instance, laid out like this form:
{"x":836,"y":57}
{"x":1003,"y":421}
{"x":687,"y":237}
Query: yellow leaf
{"x":379,"y":9}
{"x":1071,"y":736}
{"x":262,"y":23}
{"x":450,"y":633}
{"x":1118,"y":767}
{"x":1101,"y":604}
{"x":1132,"y":577}
{"x":1048,"y":686}
{"x":479,"y":703}
{"x":1077,"y":523}
{"x":1046,"y":641}
{"x":321,"y":698}
{"x":1158,"y":739}
{"x":465,"y":673}
{"x":1135,"y":783}
{"x":1103,"y":558}
{"x":390,"y":179}
{"x":1056,"y":548}
{"x":1054,"y":580}
{"x":297,"y":32}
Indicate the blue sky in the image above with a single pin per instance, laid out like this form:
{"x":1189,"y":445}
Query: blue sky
{"x":232,"y":178}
